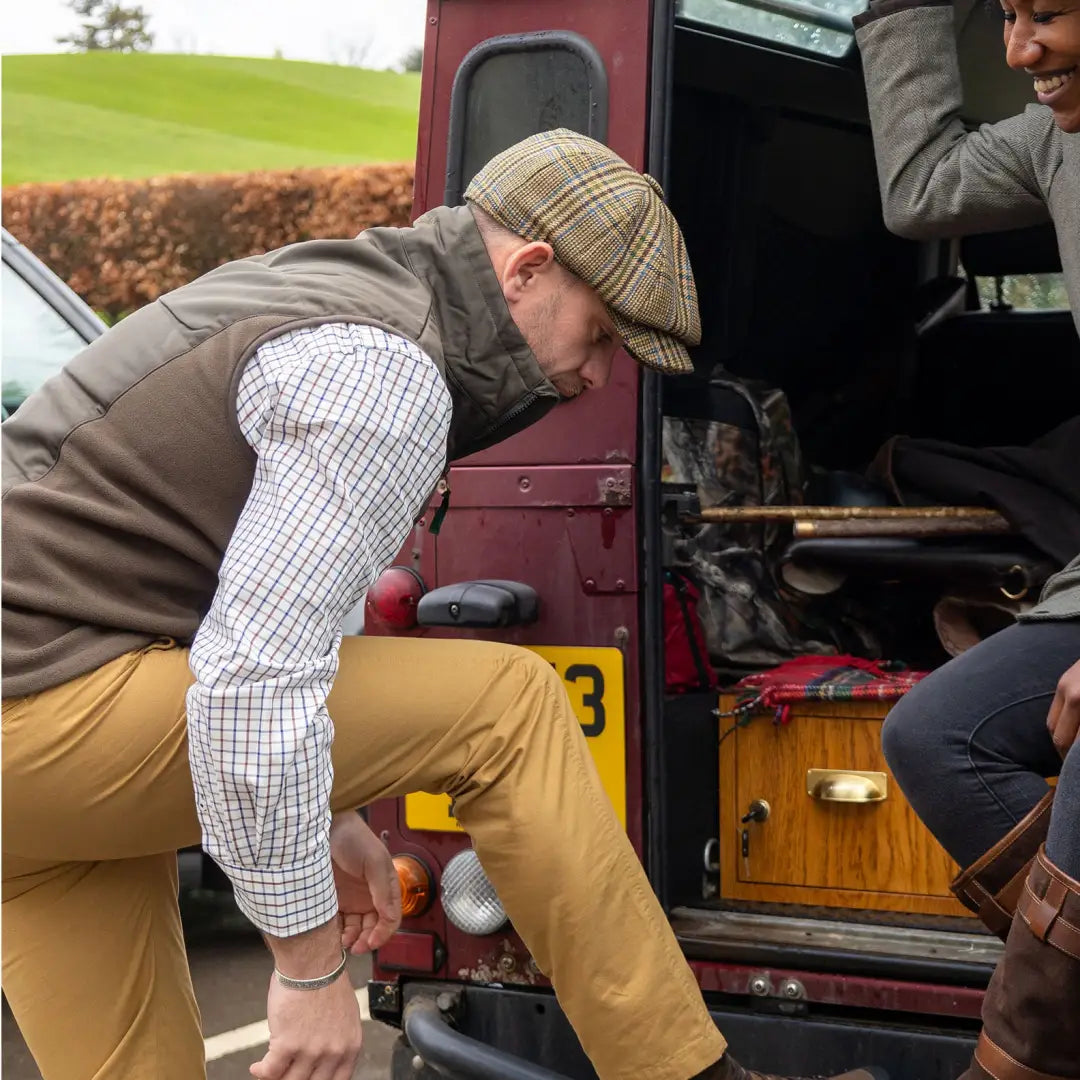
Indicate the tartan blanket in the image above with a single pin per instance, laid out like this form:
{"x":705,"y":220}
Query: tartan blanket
{"x":822,"y":678}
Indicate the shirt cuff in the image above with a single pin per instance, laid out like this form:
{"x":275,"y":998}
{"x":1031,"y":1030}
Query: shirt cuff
{"x":880,"y":8}
{"x":286,"y":901}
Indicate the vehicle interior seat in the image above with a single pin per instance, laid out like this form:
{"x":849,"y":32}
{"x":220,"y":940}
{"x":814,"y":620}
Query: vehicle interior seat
{"x":997,"y":376}
{"x":983,"y":377}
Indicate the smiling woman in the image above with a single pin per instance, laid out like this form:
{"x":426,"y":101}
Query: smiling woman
{"x":1043,"y":40}
{"x":939,"y":179}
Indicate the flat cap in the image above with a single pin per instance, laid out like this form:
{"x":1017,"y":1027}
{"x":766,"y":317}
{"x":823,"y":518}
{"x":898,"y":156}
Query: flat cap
{"x":607,"y":224}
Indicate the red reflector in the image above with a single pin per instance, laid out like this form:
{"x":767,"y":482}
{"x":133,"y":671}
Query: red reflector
{"x":391,"y":601}
{"x":410,"y":950}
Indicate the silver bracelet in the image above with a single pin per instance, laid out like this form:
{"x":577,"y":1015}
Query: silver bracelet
{"x":314,"y":984}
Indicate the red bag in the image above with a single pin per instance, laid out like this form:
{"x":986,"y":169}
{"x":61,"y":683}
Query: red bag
{"x":686,"y":660}
{"x":823,"y":678}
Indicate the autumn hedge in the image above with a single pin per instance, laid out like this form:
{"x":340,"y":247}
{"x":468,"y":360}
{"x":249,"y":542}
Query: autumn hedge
{"x":122,"y":243}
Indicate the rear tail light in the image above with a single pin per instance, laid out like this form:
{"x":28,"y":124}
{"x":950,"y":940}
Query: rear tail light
{"x":417,"y":886}
{"x":469,"y":898}
{"x":410,"y":950}
{"x":391,"y":602}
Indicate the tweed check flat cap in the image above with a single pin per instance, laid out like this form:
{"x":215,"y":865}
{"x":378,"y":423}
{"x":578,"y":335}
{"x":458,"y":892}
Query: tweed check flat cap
{"x":607,"y":224}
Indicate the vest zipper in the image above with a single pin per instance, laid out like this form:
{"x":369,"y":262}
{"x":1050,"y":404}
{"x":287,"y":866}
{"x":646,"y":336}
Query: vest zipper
{"x":507,"y":417}
{"x":440,"y":513}
{"x":523,"y":405}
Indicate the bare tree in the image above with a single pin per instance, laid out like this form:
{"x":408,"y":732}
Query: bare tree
{"x":185,"y":42}
{"x":357,"y":52}
{"x":351,"y":51}
{"x":413,"y":60}
{"x":109,"y":27}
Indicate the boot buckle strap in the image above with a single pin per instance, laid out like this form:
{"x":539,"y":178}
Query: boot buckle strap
{"x":991,"y":886}
{"x":1043,"y":918}
{"x":1040,"y":913}
{"x":995,"y":910}
{"x":1002,"y":1066}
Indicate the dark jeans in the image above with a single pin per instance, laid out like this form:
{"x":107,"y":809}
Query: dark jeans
{"x":970,"y":749}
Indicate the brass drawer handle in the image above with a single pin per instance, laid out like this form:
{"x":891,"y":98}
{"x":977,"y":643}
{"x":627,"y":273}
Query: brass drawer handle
{"x":845,"y":785}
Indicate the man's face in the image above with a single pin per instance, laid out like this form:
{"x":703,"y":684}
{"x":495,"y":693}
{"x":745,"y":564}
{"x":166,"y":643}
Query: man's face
{"x":564,"y":321}
{"x":1042,"y":38}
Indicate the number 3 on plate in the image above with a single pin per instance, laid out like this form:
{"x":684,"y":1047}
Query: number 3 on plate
{"x":594,"y":699}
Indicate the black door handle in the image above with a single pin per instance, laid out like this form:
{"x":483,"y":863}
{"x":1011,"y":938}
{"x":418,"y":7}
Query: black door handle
{"x":479,"y":604}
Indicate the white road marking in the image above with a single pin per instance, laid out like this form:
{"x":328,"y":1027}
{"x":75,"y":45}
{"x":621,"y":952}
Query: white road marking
{"x":258,"y":1034}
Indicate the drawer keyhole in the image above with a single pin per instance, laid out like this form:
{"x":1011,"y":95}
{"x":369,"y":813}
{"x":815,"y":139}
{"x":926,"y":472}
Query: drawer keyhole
{"x":759,"y":811}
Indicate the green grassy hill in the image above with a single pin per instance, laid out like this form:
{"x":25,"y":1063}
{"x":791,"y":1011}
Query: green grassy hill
{"x":144,"y":114}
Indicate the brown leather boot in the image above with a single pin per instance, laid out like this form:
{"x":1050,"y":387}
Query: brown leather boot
{"x":1031,"y":1013}
{"x":990,"y":886}
{"x":727,"y":1068}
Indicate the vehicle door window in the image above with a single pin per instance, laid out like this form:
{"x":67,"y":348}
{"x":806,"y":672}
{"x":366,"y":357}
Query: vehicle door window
{"x":1023,"y":292}
{"x":37,"y":341}
{"x":820,"y":26}
{"x":514,"y":85}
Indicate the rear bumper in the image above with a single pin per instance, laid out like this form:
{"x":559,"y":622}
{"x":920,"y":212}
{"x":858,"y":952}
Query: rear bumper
{"x":441,"y":1046}
{"x":498,"y":1033}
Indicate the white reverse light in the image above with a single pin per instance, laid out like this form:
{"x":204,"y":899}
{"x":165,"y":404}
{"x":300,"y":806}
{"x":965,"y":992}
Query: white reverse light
{"x":468,"y":897}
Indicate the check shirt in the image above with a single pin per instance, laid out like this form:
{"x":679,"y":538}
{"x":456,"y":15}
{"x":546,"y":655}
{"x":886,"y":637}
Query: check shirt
{"x":349,"y":425}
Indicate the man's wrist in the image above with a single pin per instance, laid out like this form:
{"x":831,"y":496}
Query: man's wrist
{"x":309,"y":955}
{"x":318,"y":983}
{"x":344,"y":817}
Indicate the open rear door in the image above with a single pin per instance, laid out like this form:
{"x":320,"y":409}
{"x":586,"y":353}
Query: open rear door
{"x":564,"y":507}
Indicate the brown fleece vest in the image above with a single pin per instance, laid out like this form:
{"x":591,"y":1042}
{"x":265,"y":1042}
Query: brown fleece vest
{"x":124,"y":476}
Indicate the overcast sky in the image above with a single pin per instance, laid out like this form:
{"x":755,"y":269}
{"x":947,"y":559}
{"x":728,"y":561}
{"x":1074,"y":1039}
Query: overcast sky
{"x":374,"y":33}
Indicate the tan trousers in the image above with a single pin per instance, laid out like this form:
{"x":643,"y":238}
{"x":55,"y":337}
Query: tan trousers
{"x":97,"y":798}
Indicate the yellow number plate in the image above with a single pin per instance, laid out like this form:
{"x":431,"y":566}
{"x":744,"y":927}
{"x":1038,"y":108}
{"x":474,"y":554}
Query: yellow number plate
{"x":594,"y":682}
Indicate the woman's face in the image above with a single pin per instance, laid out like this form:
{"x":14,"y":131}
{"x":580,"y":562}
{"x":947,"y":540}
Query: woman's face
{"x":1042,"y":38}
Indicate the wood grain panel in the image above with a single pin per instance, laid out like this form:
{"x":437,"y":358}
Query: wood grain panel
{"x":872,"y":855}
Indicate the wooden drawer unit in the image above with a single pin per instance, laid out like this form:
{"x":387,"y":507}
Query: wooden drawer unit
{"x":839,"y":832}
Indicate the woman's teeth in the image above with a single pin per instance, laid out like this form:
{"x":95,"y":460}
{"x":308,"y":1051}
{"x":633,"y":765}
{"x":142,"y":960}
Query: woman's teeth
{"x":1048,"y":86}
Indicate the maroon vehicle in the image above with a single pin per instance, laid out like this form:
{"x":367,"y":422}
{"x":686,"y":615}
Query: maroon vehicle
{"x":752,"y":113}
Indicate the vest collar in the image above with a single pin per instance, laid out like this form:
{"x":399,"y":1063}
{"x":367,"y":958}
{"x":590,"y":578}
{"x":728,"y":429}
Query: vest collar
{"x":495,"y":382}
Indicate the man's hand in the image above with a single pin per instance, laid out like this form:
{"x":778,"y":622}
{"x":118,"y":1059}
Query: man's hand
{"x":369,"y":896}
{"x":1063,"y":722}
{"x":314,"y":1034}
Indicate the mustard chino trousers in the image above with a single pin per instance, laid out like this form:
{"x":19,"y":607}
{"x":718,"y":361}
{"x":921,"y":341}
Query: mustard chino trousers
{"x":97,"y":798}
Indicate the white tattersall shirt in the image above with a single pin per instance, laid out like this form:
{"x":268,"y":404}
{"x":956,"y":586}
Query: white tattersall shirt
{"x":349,"y":424}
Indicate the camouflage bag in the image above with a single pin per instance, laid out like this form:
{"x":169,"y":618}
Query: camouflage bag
{"x":749,"y":456}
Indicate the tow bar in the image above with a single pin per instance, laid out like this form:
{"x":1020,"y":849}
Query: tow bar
{"x":449,"y":1052}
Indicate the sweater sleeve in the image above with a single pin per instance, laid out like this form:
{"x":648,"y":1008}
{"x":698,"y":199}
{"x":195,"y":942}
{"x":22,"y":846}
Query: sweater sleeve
{"x":937,"y":178}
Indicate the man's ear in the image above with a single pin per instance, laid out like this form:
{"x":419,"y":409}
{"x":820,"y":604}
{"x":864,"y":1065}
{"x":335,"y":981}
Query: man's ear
{"x":525,"y":267}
